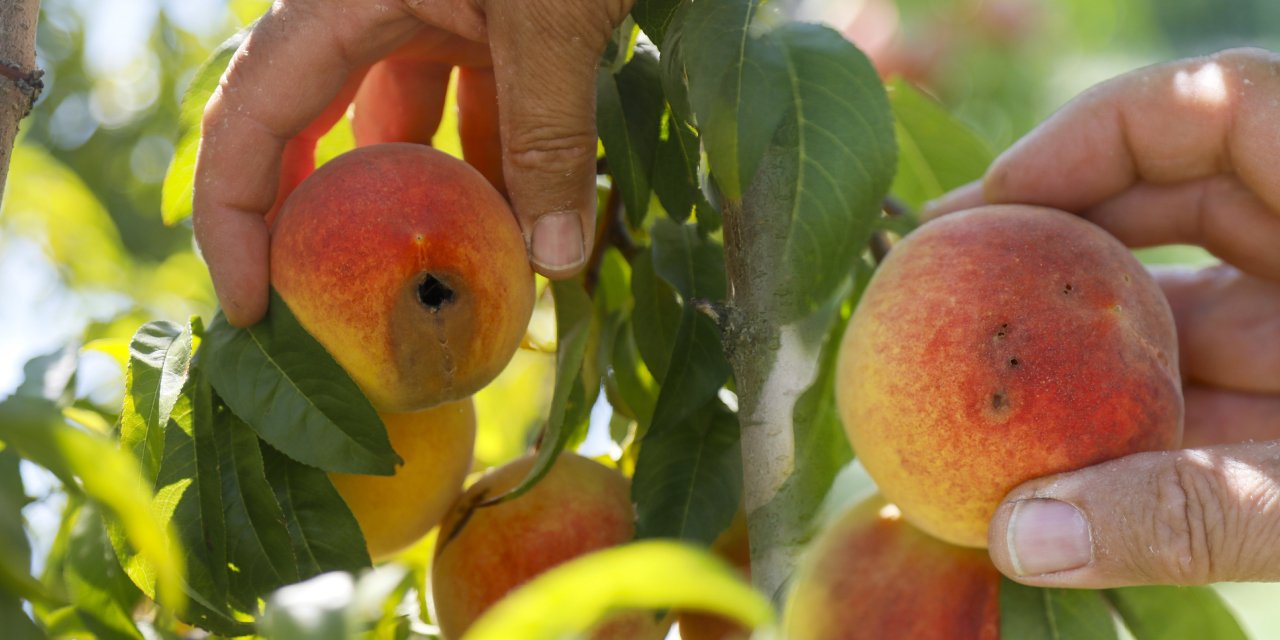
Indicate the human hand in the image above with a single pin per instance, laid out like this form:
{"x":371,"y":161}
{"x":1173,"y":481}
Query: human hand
{"x":304,"y":62}
{"x":1184,"y":152}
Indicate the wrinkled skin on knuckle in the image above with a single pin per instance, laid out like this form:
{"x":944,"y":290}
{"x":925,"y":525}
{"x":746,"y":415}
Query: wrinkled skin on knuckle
{"x":1256,"y":492}
{"x":1215,"y":518}
{"x":550,"y":149}
{"x":1186,"y":510}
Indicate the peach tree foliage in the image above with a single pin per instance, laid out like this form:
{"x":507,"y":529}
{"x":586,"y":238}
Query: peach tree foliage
{"x":747,"y":161}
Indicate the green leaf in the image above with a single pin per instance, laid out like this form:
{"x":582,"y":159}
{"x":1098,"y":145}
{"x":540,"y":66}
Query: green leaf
{"x":656,"y":316}
{"x":573,"y":324}
{"x":110,"y":477}
{"x":654,"y":16}
{"x":698,"y":370}
{"x":281,"y":381}
{"x":936,"y":152}
{"x":1175,"y":613}
{"x":629,"y":109}
{"x":692,"y":263}
{"x":101,"y":592}
{"x":737,"y":87}
{"x":635,"y":387}
{"x":325,"y":535}
{"x":828,"y":166}
{"x":1030,"y":613}
{"x":572,"y":597}
{"x":51,"y":376}
{"x":159,"y":361}
{"x":689,"y":474}
{"x":259,"y":550}
{"x":15,"y":548}
{"x":688,"y":478}
{"x":49,"y":202}
{"x":14,"y":621}
{"x":675,"y":170}
{"x":189,"y":497}
{"x":175,"y":198}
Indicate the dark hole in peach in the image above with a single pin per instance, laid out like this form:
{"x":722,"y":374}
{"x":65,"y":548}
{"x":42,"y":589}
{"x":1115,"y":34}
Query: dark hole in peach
{"x":434,"y":293}
{"x":1013,"y":362}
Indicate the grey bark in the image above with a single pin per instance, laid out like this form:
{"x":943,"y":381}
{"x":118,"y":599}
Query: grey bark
{"x":20,"y":83}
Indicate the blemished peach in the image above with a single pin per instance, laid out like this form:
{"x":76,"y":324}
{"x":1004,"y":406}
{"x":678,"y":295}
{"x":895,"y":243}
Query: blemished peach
{"x":1002,"y":344}
{"x":409,"y":268}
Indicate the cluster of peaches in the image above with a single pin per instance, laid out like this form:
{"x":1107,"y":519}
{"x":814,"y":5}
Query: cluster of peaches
{"x":992,"y":346}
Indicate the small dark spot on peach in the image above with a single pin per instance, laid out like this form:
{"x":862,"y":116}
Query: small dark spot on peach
{"x":419,"y":238}
{"x":998,"y":400}
{"x":1127,"y":278}
{"x":1067,"y":288}
{"x":1013,"y":362}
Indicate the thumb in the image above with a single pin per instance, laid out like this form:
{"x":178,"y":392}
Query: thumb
{"x":1179,"y":517}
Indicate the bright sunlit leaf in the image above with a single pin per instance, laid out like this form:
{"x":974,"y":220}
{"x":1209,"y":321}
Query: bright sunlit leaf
{"x":570,"y":599}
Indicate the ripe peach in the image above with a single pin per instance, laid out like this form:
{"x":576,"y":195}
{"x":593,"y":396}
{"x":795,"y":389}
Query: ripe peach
{"x":396,"y":511}
{"x":998,"y":345}
{"x":409,"y":268}
{"x":871,"y":575}
{"x":484,"y":552}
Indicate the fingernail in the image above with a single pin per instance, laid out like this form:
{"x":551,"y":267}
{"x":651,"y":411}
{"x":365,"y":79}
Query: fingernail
{"x":557,"y":241}
{"x":1047,"y":536}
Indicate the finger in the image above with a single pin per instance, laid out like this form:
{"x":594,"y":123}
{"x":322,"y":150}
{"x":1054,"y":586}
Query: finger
{"x":400,"y":101}
{"x":299,"y":158}
{"x":1219,"y":213}
{"x":478,"y":123}
{"x":960,"y":198}
{"x":1182,"y":517}
{"x":545,"y":54}
{"x":1228,"y":327}
{"x":1171,"y":123}
{"x":1216,"y":416}
{"x":286,"y":72}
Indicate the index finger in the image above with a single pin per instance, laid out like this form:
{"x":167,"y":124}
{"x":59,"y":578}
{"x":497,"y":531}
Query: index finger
{"x":545,"y":54}
{"x":289,"y":69}
{"x":1166,"y":124}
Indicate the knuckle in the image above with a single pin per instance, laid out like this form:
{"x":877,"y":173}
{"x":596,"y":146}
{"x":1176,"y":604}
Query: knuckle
{"x":549,"y":150}
{"x":1187,"y":524}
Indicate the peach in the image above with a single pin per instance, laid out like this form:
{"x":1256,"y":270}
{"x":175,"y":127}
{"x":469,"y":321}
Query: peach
{"x":395,"y":511}
{"x":871,"y":575}
{"x":998,"y":345}
{"x":482,"y":553}
{"x":409,"y":268}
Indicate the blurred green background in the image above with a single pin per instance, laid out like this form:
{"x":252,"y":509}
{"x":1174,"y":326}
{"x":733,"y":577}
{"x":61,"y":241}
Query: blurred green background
{"x":84,"y":256}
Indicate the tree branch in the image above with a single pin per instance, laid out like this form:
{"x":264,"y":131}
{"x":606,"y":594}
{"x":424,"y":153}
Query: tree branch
{"x":20,"y":82}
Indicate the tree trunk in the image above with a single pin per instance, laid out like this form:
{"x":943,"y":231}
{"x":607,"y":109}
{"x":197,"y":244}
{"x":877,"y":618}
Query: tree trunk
{"x":19,"y":79}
